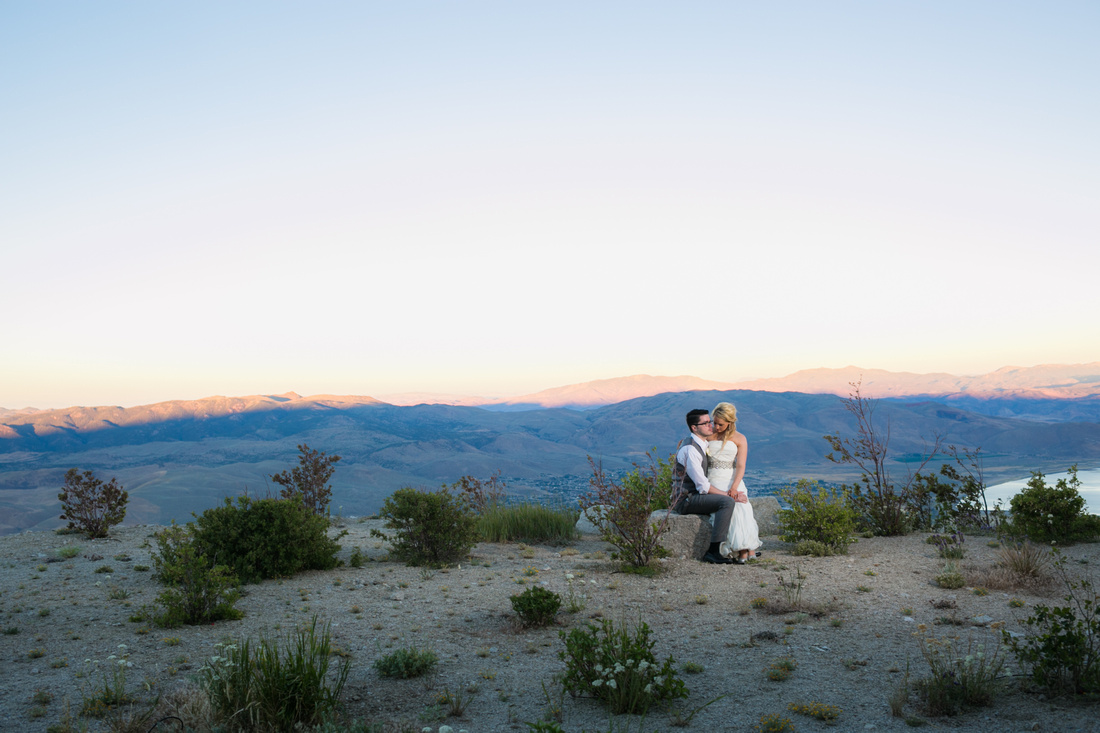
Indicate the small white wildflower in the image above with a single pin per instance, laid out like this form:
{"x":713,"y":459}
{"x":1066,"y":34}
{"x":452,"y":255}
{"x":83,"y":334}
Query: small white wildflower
{"x":599,"y":669}
{"x":619,"y":668}
{"x":648,"y":688}
{"x":569,"y":576}
{"x":597,"y":683}
{"x":643,"y":665}
{"x":123,"y":646}
{"x":112,"y":657}
{"x":611,"y":684}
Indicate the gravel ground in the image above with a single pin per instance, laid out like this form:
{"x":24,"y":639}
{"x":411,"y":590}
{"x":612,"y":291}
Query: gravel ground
{"x":852,"y":648}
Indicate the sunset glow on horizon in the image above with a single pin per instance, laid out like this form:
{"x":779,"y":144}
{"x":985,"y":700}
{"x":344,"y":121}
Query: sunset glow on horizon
{"x":493,"y":199}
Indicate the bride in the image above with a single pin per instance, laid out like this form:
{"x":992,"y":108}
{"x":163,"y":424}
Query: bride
{"x":727,"y":452}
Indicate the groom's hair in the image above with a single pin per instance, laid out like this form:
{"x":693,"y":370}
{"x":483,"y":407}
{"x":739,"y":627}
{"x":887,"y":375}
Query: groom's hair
{"x":693,"y":417}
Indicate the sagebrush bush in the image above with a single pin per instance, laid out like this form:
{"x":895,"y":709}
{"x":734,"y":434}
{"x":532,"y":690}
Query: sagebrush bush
{"x":536,"y":606}
{"x":812,"y":547}
{"x":265,"y":538}
{"x":276,"y":685}
{"x":197,"y":591}
{"x":527,"y":522}
{"x":1051,"y":513}
{"x":91,"y":506}
{"x":617,"y":666}
{"x":950,"y":577}
{"x":308,"y":481}
{"x":819,"y":514}
{"x":432,"y":528}
{"x":406,"y":663}
{"x":621,"y":511}
{"x":1061,"y":646}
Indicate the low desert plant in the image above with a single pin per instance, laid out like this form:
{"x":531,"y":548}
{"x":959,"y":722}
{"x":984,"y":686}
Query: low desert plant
{"x":265,"y":538}
{"x":308,"y":481}
{"x":950,"y":577}
{"x":774,"y":723}
{"x":785,"y":664}
{"x":276,"y":684}
{"x":959,"y":678}
{"x":817,"y":514}
{"x":621,"y":511}
{"x":536,"y":607}
{"x":818,"y":710}
{"x":813,"y":548}
{"x":432,"y":528}
{"x":949,"y":546}
{"x":406,"y":663}
{"x":196,"y":592}
{"x":616,"y":665}
{"x":1061,"y":647}
{"x":68,"y":552}
{"x":91,"y":506}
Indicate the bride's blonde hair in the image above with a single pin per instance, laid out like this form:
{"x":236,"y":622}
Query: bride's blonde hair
{"x":727,"y":412}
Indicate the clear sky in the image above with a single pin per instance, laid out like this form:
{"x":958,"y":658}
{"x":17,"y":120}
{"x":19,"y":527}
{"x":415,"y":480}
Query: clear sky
{"x":494,"y":198}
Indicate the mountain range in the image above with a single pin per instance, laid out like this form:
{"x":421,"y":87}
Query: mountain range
{"x":183,"y":456}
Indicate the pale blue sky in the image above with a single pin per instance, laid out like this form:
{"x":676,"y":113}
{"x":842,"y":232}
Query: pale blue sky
{"x":203,"y":198}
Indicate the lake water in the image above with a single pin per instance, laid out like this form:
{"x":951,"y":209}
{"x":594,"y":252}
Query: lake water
{"x":1089,"y":489}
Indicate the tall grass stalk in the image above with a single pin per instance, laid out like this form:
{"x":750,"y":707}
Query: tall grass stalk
{"x":960,"y":677}
{"x":528,"y":522}
{"x":276,"y":686}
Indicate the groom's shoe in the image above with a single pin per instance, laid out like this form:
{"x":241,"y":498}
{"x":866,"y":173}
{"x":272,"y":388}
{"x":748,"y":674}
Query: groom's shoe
{"x":714,"y":557}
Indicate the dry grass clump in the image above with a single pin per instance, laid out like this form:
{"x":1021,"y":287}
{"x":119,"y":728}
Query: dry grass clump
{"x":1019,"y":566}
{"x":190,"y":704}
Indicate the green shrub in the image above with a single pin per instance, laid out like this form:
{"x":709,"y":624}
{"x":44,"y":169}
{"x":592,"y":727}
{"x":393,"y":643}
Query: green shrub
{"x":406,"y":663}
{"x":433,"y":528}
{"x":617,"y":667}
{"x":621,"y":512}
{"x":265,"y":538}
{"x":91,"y":506}
{"x":308,"y":481}
{"x":819,"y":514}
{"x":959,"y":678}
{"x":197,"y":592}
{"x":536,"y":606}
{"x":1061,"y":647}
{"x":1051,"y":513}
{"x":276,"y":686}
{"x":528,"y":522}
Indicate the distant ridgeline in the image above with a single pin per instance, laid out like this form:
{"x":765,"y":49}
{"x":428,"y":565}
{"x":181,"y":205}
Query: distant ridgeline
{"x":179,"y":457}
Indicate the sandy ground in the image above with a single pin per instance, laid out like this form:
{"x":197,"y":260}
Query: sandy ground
{"x":852,"y":648}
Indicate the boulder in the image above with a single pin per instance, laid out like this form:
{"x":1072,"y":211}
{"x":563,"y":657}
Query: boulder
{"x":688,"y":535}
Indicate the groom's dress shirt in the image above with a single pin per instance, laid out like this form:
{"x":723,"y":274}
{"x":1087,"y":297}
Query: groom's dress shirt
{"x":692,"y":462}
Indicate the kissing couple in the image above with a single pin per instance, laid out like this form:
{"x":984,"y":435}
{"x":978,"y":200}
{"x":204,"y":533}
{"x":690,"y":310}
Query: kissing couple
{"x":708,"y":478}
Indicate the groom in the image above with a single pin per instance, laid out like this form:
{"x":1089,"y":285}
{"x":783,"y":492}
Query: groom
{"x":692,"y":493}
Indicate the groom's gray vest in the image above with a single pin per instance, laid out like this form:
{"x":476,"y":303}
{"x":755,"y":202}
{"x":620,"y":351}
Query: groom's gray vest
{"x":682,"y":485}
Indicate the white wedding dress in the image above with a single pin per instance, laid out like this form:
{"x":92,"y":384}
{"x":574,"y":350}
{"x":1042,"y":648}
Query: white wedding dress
{"x":743,"y":533}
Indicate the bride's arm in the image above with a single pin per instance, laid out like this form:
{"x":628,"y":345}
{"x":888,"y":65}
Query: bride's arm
{"x":739,"y":469}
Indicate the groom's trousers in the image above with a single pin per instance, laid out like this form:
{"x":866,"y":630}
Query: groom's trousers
{"x":720,"y":505}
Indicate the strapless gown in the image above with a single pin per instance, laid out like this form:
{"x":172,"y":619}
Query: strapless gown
{"x":743,"y":533}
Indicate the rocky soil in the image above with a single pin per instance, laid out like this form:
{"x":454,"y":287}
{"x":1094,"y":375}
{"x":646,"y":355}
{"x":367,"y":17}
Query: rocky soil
{"x":852,"y":647}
